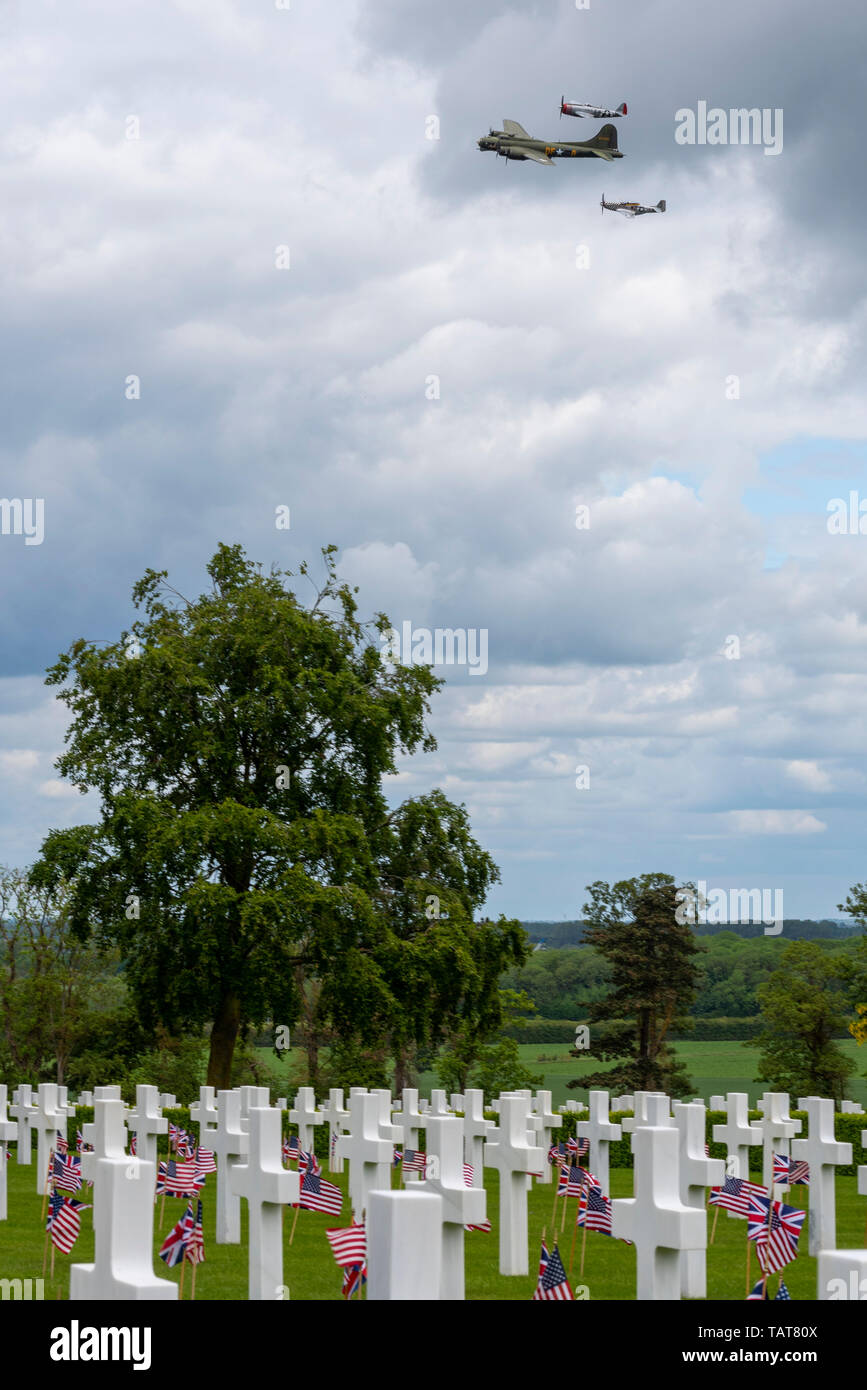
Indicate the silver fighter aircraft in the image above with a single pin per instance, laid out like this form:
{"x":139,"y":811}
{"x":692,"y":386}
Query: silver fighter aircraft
{"x":581,"y":108}
{"x":631,"y":209}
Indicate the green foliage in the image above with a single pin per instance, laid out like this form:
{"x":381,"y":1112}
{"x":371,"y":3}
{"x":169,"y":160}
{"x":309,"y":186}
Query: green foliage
{"x":804,"y":1003}
{"x":653,"y":982}
{"x":498,"y":1067}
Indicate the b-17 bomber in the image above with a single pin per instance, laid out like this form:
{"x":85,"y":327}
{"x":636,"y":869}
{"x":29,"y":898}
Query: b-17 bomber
{"x":513,"y":142}
{"x":631,"y":209}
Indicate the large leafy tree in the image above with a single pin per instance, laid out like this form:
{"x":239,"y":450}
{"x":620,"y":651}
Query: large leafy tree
{"x":804,"y":1005}
{"x":239,"y":743}
{"x":634,"y":925}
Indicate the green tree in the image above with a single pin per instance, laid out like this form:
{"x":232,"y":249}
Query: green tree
{"x":634,"y":925}
{"x":804,"y":1004}
{"x":474,"y":1051}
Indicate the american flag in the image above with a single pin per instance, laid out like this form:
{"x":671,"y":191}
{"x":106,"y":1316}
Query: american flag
{"x":557,"y":1152}
{"x":308,"y":1163}
{"x":318,"y":1194}
{"x":553,"y":1284}
{"x":777,"y":1244}
{"x":760,"y":1291}
{"x":470,"y":1180}
{"x":788,"y":1171}
{"x":133,"y":1143}
{"x":291,"y":1148}
{"x":573,"y":1180}
{"x":179,"y":1179}
{"x":414,"y":1161}
{"x":66,"y":1172}
{"x":333,"y":1142}
{"x":354,"y":1276}
{"x":205,"y":1162}
{"x":579,"y":1147}
{"x":79,"y":1140}
{"x":735,"y":1195}
{"x":62,"y":1145}
{"x":348,"y":1244}
{"x":195,"y":1248}
{"x":184,"y":1146}
{"x":174,"y":1246}
{"x":64,"y":1221}
{"x":173,"y":1135}
{"x":594,"y":1212}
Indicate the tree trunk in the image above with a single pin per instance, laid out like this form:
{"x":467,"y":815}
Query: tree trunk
{"x":224,"y":1035}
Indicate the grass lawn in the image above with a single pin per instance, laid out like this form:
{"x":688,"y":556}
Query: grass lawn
{"x":309,"y":1271}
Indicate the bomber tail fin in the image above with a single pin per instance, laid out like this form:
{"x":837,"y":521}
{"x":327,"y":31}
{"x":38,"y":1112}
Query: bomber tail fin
{"x":621,"y":110}
{"x":661,"y":205}
{"x":604,"y":142}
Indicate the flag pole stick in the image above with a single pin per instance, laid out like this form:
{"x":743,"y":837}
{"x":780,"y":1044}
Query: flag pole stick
{"x":183,"y":1272}
{"x":556,"y":1190}
{"x":53,"y":1249}
{"x":749,"y":1248}
{"x":294,"y":1223}
{"x":49,"y":1183}
{"x":574,"y":1234}
{"x":193,"y":1288}
{"x":45,"y":1254}
{"x":713,"y":1228}
{"x":768,"y":1251}
{"x":583,"y":1249}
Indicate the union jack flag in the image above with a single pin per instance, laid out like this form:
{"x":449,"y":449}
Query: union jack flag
{"x":397,"y":1158}
{"x":553,"y":1284}
{"x":174,"y":1247}
{"x":573,"y":1180}
{"x":775,"y":1234}
{"x":66,"y":1172}
{"x":760,"y":1291}
{"x":557,"y":1153}
{"x":308,"y":1163}
{"x":318,"y":1194}
{"x":594,"y":1211}
{"x":195,"y":1247}
{"x":735,"y":1195}
{"x":179,"y":1179}
{"x":348,"y":1244}
{"x":354,"y":1277}
{"x":579,"y":1147}
{"x":64,"y":1221}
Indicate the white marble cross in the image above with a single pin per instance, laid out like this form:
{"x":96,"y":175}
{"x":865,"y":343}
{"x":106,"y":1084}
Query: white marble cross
{"x":548,"y":1122}
{"x":305,"y":1115}
{"x":24,"y":1111}
{"x":696,"y":1172}
{"x":203,"y":1111}
{"x":252,"y":1097}
{"x":776,"y":1129}
{"x":387,"y":1130}
{"x":8,"y":1133}
{"x":842,"y":1274}
{"x":599,"y":1130}
{"x":408,"y":1121}
{"x":123,"y":1218}
{"x":167,"y":1100}
{"x":146,"y":1122}
{"x":851,"y":1107}
{"x":651,"y":1108}
{"x":404,"y":1249}
{"x":862,"y":1170}
{"x":476,"y":1130}
{"x":717,"y":1103}
{"x":368,"y":1152}
{"x":230,"y":1145}
{"x":655,"y":1219}
{"x":438,"y":1104}
{"x":267,"y":1186}
{"x":335,"y":1116}
{"x":507,"y":1150}
{"x":112,"y":1093}
{"x":456,"y":1101}
{"x":822,"y":1151}
{"x":48,"y":1122}
{"x":738,"y":1135}
{"x":462,"y":1205}
{"x":85,"y":1098}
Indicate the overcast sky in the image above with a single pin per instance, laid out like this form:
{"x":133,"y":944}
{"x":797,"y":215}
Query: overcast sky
{"x":459,"y":354}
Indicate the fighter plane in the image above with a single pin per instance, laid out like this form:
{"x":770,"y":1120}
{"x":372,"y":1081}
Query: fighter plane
{"x":580,"y":108}
{"x":513,"y":142}
{"x":631,"y":209}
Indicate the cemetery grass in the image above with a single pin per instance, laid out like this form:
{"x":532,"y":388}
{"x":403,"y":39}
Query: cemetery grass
{"x":309,"y":1271}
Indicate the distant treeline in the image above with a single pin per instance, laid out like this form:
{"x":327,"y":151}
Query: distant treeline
{"x":794,"y":929}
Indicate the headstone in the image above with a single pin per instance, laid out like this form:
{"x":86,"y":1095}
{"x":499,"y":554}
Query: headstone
{"x":822,"y":1152}
{"x":438,"y":1104}
{"x":24,"y":1111}
{"x":305,"y":1115}
{"x":85,"y":1098}
{"x":230,"y":1145}
{"x":146,"y":1122}
{"x":368,"y":1153}
{"x":507,"y":1150}
{"x":123,"y":1219}
{"x":655,"y":1219}
{"x":548,"y":1122}
{"x":850,"y":1107}
{"x":113,"y":1093}
{"x":335,"y":1116}
{"x":167,"y":1101}
{"x":461,"y":1205}
{"x":738,"y":1135}
{"x":8,"y":1135}
{"x":841,"y":1274}
{"x":408,"y":1121}
{"x":48,"y":1122}
{"x":456,"y":1101}
{"x":252,"y":1098}
{"x":404,"y":1249}
{"x":203,"y":1112}
{"x":387,"y":1130}
{"x":862,"y":1170}
{"x":476,"y":1129}
{"x":268,"y":1187}
{"x":63,"y":1102}
{"x":652,"y":1108}
{"x":282,"y":1103}
{"x":717,"y":1103}
{"x":696,"y":1173}
{"x":776,"y":1129}
{"x":599,"y":1130}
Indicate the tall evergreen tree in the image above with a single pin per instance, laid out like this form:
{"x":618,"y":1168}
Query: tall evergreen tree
{"x":634,"y":925}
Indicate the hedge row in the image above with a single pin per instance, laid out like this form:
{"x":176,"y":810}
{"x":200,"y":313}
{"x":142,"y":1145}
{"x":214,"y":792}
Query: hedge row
{"x":562,"y":1030}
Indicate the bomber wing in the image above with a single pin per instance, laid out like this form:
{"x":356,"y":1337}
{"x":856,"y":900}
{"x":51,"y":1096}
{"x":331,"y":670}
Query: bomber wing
{"x":512,"y":128}
{"x":537,"y":155}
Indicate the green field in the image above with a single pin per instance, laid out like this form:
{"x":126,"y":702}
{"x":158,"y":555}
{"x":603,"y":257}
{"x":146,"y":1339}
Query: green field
{"x":309,"y":1272}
